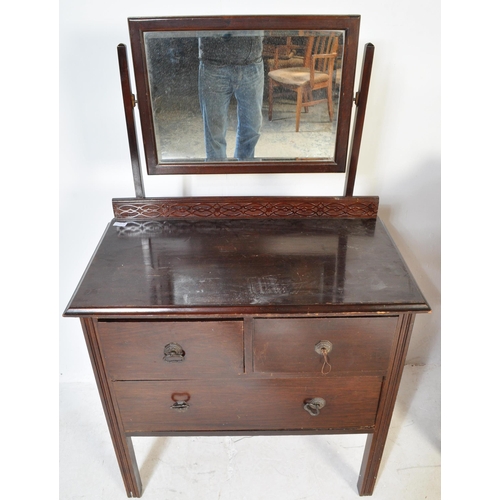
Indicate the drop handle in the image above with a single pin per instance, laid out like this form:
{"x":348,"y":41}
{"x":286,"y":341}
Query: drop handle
{"x":314,"y":405}
{"x":173,"y":352}
{"x":180,"y":406}
{"x":323,"y":347}
{"x":180,"y":400}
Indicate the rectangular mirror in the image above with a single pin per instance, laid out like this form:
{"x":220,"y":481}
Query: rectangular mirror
{"x":248,"y":94}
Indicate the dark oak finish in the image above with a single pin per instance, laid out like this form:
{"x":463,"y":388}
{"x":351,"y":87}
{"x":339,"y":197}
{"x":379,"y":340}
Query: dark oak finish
{"x":217,"y":266}
{"x":348,"y":23}
{"x":288,"y":345}
{"x":375,"y":442}
{"x":365,"y":207}
{"x":361,"y":101}
{"x":134,"y":350}
{"x":250,"y":405}
{"x":247,"y":300}
{"x":208,"y":316}
{"x":122,"y":443}
{"x":128,"y":106}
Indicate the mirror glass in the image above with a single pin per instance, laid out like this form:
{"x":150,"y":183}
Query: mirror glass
{"x":245,"y":94}
{"x":205,"y":85}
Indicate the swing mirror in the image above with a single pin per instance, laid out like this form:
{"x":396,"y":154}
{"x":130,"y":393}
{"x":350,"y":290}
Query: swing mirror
{"x":245,"y":94}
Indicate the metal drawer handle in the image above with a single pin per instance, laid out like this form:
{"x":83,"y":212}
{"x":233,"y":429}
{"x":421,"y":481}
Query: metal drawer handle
{"x":180,"y":400}
{"x":323,"y":347}
{"x":180,"y":406}
{"x":314,"y":405}
{"x":173,"y":352}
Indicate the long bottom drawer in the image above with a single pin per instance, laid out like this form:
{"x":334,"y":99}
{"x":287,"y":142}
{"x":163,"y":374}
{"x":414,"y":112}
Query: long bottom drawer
{"x":251,"y":404}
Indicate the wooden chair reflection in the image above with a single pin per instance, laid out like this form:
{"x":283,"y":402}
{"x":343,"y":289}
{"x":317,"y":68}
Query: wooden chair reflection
{"x":284,"y":53}
{"x":316,"y":73}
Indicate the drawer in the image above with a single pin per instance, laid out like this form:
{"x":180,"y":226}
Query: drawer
{"x":251,"y":404}
{"x":289,"y":345}
{"x":155,"y":350}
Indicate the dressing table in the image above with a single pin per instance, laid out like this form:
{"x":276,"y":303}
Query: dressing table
{"x":254,"y":315}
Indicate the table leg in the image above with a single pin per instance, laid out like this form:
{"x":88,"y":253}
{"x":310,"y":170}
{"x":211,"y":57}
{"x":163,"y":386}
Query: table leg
{"x":123,"y":446}
{"x":375,"y":442}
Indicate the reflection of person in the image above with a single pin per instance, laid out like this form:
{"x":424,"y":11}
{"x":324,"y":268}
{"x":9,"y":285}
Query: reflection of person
{"x":231,"y":65}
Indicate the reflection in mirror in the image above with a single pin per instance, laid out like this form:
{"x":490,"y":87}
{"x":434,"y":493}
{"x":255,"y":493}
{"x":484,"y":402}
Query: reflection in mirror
{"x":244,"y":95}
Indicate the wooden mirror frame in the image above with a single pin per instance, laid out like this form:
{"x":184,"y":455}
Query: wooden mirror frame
{"x":349,"y":24}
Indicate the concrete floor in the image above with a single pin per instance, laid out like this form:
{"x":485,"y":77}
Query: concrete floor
{"x":180,"y":131}
{"x":255,"y":468}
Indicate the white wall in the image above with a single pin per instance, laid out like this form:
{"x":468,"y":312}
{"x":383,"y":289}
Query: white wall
{"x":399,"y":161}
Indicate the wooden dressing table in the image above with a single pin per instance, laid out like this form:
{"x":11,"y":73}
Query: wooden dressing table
{"x":247,"y":315}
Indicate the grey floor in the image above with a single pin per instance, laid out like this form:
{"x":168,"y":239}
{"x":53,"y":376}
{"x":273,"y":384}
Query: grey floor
{"x":180,"y":133}
{"x":180,"y":136}
{"x":255,"y":468}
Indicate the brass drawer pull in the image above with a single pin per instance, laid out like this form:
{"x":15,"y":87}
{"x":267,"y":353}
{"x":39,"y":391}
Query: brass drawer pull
{"x":173,"y":352}
{"x":314,"y":405}
{"x":180,"y":406}
{"x":323,"y":347}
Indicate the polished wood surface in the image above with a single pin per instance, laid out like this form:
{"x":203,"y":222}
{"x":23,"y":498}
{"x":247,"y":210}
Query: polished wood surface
{"x":349,"y":24}
{"x":375,"y":442}
{"x":301,"y":266}
{"x":288,"y":345}
{"x":210,"y":316}
{"x":361,"y":101}
{"x":246,"y":302}
{"x":135,"y":350}
{"x":251,"y":404}
{"x":128,"y":106}
{"x":248,"y":207}
{"x":122,"y":443}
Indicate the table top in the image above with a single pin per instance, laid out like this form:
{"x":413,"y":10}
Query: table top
{"x":257,"y":266}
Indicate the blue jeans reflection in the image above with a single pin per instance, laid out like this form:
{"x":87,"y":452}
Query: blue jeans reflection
{"x":217,"y":84}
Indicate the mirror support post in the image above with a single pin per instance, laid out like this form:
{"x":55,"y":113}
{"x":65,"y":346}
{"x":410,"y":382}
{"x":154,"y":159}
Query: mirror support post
{"x":359,"y":118}
{"x":128,"y":104}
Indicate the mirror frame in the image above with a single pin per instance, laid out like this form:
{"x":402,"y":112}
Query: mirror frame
{"x":347,"y":23}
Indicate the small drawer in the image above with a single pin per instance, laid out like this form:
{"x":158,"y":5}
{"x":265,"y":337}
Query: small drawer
{"x":156,"y":350}
{"x":251,"y":404}
{"x":294,"y":345}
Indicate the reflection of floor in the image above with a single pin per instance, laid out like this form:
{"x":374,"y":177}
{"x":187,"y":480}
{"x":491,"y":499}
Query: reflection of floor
{"x":180,"y":129}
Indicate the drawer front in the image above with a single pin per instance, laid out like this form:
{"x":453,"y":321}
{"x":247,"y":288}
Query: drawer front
{"x":156,"y":350}
{"x":252,"y":404}
{"x":289,"y":345}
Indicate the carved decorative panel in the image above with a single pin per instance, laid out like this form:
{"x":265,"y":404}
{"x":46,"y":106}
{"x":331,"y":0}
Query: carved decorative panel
{"x":246,"y":207}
